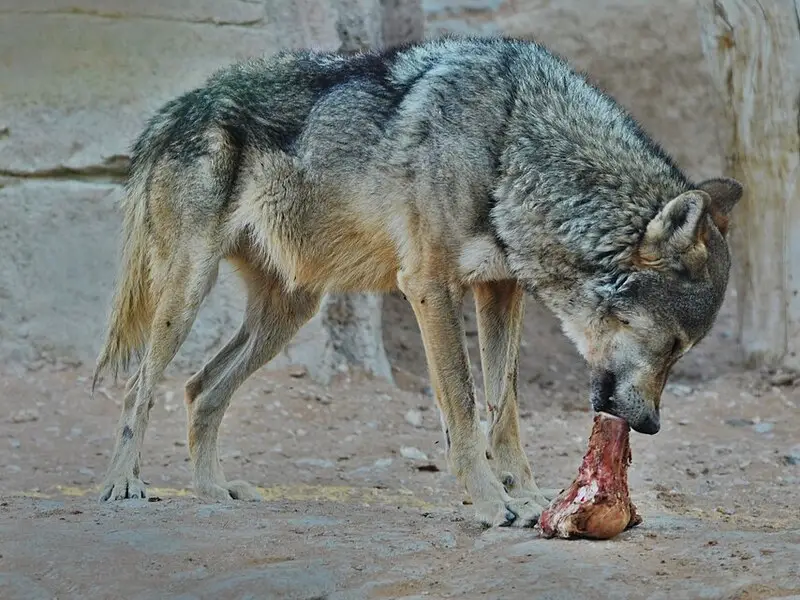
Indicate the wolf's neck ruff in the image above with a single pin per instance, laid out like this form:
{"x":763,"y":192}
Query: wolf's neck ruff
{"x":580,"y":179}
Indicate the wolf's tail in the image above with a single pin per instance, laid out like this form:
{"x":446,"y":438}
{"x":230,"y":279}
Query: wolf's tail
{"x":134,"y":302}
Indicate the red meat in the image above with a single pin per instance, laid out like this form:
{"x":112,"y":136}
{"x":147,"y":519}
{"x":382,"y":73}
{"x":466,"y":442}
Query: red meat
{"x":597,"y":505}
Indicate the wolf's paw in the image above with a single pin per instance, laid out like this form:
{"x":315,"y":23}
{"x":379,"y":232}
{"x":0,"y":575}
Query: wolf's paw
{"x":516,"y":512}
{"x":121,"y":487}
{"x":527,"y":512}
{"x":527,"y":490}
{"x":227,"y":491}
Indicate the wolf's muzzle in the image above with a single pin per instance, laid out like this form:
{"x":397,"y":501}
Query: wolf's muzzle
{"x":603,"y":384}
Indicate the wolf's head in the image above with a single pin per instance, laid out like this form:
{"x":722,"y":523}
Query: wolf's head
{"x":653,"y":314}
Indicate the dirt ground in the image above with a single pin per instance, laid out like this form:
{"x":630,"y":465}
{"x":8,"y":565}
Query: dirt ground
{"x":348,"y":516}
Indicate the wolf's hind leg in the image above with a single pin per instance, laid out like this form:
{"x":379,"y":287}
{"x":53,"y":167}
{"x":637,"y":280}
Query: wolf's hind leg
{"x":272,"y":318}
{"x":186,"y":282}
{"x":500,"y":308}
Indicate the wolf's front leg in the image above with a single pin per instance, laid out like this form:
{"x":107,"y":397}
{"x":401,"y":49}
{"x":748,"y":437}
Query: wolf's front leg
{"x":500,"y":308}
{"x":437,"y":306}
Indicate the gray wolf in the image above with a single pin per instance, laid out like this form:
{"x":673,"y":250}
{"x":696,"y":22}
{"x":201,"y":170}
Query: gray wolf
{"x":430,"y":168}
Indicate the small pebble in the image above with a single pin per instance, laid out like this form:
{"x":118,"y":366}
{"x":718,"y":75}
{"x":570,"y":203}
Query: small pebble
{"x":782,"y":378}
{"x":793,"y":457}
{"x":298,"y":371}
{"x":763,"y":427}
{"x":382,"y":463}
{"x":414,"y":417}
{"x":25,"y":415}
{"x":412,"y":453}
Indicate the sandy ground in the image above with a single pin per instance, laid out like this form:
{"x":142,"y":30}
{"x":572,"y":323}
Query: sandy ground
{"x":347,"y":516}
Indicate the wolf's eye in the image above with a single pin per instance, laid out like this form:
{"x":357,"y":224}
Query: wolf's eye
{"x":624,"y":321}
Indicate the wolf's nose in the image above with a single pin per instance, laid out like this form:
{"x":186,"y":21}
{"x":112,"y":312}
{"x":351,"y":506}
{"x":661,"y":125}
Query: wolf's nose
{"x":649,"y":425}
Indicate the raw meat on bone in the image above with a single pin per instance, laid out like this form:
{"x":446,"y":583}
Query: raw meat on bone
{"x":597,"y":505}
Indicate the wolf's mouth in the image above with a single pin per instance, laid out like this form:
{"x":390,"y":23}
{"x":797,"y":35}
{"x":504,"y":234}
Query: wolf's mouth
{"x":602,"y":404}
{"x":604,"y":384}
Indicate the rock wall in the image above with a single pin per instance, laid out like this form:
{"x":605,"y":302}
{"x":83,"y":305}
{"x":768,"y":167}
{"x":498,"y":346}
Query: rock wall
{"x":79,"y":77}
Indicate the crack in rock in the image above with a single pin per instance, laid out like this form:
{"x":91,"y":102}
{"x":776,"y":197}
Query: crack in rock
{"x":114,"y":169}
{"x":72,"y":12}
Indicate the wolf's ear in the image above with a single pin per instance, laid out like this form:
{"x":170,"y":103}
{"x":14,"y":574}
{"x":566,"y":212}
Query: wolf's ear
{"x":675,"y":236}
{"x":725,"y":194}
